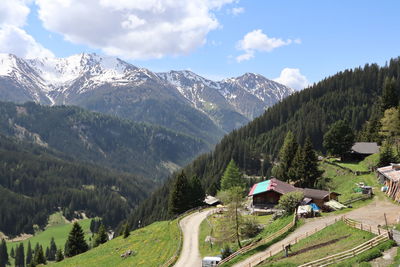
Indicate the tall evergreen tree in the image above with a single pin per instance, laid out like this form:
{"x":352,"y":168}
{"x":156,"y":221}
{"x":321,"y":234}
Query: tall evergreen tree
{"x":101,"y":236}
{"x":3,"y":253}
{"x":286,"y":155}
{"x":126,"y":230}
{"x":196,"y":193}
{"x":12,"y":253}
{"x":297,"y":170}
{"x":310,"y":172}
{"x":178,"y":201}
{"x":20,"y":256}
{"x":29,"y":254}
{"x":232,"y":177}
{"x":39,"y":257}
{"x":52,"y":250}
{"x":75,"y":243}
{"x":390,"y":98}
{"x":59,"y":255}
{"x":386,"y":155}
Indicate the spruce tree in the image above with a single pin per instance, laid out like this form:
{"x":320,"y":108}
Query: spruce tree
{"x":126,"y":230}
{"x":12,"y":253}
{"x":20,"y":256}
{"x":232,"y":177}
{"x":101,"y":236}
{"x":296,"y":170}
{"x":196,"y":193}
{"x":29,"y":254}
{"x":286,"y":155}
{"x":3,"y":253}
{"x":178,"y":201}
{"x":339,"y":138}
{"x":389,"y":96}
{"x":52,"y":250}
{"x":75,"y":243}
{"x":39,"y":257}
{"x":386,"y":155}
{"x":59,"y":255}
{"x":310,"y":172}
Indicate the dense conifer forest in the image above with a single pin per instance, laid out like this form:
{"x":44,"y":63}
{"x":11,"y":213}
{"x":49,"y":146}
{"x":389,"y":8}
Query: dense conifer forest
{"x":35,"y":182}
{"x":352,"y":95}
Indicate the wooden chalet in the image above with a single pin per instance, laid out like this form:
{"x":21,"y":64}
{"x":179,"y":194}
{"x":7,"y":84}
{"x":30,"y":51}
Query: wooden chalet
{"x":390,"y":177}
{"x":266,"y":194}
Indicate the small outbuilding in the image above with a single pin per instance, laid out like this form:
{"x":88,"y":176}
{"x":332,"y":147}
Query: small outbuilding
{"x":361,"y":150}
{"x":390,"y":177}
{"x":211,"y":201}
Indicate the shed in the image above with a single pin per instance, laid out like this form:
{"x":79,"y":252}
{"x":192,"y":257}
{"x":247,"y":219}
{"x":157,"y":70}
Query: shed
{"x":361,"y":150}
{"x":390,"y":177}
{"x":211,"y":201}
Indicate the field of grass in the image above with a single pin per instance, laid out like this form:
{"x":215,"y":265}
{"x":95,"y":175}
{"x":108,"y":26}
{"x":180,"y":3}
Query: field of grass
{"x":333,"y":239}
{"x":153,"y":245}
{"x":57,"y":230}
{"x":270,"y":227}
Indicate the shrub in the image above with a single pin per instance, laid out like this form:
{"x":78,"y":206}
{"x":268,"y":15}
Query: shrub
{"x":250,"y":228}
{"x":290,"y":201}
{"x":369,"y":255}
{"x":226,"y":251}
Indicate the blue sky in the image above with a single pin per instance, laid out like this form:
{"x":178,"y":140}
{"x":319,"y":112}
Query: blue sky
{"x":308,"y":39}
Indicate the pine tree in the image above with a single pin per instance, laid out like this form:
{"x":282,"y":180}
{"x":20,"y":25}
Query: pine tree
{"x":3,"y":253}
{"x":126,"y":230}
{"x":52,"y":250}
{"x":178,"y":201}
{"x":47,"y":253}
{"x":196,"y":193}
{"x":389,"y":96}
{"x":29,"y":254}
{"x":310,"y":172}
{"x":20,"y":256}
{"x":12,"y":253}
{"x":59,"y":255}
{"x":286,"y":155}
{"x":39,"y":257}
{"x":386,"y":155}
{"x":75,"y":243}
{"x":232,"y":177}
{"x":297,"y":170}
{"x":101,"y":236}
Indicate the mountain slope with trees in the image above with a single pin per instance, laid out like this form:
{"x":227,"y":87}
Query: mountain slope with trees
{"x":351,"y":95}
{"x":146,"y":150}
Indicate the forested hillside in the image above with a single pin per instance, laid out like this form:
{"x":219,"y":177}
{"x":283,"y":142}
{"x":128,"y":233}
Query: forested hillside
{"x":351,"y":95}
{"x":146,"y":150}
{"x":35,"y":182}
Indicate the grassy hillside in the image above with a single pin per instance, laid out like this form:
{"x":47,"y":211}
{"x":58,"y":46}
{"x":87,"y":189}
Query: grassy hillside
{"x":333,"y":239}
{"x":59,"y":232}
{"x":152,"y":245}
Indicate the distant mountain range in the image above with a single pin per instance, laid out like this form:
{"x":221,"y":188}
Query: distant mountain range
{"x":180,"y":100}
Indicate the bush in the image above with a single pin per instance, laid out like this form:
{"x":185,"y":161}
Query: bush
{"x":369,"y":255}
{"x":290,"y":201}
{"x":226,"y":251}
{"x":365,"y":264}
{"x":250,"y":228}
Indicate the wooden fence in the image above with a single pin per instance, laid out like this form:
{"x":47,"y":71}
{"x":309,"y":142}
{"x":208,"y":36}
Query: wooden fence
{"x":382,"y":236}
{"x":362,"y":197}
{"x":260,"y":242}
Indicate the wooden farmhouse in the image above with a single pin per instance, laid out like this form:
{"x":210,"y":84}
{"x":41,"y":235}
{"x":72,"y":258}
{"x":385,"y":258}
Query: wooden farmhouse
{"x":390,"y":177}
{"x":266,"y":194}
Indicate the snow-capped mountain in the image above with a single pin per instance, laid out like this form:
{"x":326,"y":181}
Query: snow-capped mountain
{"x":181,"y":100}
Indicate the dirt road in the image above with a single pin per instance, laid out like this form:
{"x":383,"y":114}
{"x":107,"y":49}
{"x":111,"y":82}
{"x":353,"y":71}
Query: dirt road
{"x":371,"y":214}
{"x":190,"y":225}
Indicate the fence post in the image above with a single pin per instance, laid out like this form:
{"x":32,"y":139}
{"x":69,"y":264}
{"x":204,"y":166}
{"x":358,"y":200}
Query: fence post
{"x":361,"y":226}
{"x":379,"y":231}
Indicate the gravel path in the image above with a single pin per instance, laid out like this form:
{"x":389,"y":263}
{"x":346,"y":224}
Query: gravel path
{"x":190,"y":225}
{"x":371,"y":214}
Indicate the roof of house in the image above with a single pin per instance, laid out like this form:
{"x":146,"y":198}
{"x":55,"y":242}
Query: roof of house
{"x":210,"y":200}
{"x":282,"y":188}
{"x":271,"y":185}
{"x":365,"y":148}
{"x":391,"y":172}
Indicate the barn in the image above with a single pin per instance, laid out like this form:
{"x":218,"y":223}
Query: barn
{"x":266,"y":194}
{"x":361,"y":150}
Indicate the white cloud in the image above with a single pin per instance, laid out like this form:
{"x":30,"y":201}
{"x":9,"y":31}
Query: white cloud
{"x":16,"y":41}
{"x":139,"y":29}
{"x":13,"y":12}
{"x":292,"y":78}
{"x":236,"y":11}
{"x":258,"y":41}
{"x":13,"y":39}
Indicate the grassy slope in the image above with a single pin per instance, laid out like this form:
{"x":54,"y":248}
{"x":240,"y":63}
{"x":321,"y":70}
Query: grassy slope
{"x":153,"y":245}
{"x":58,"y":230}
{"x":342,"y":237}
